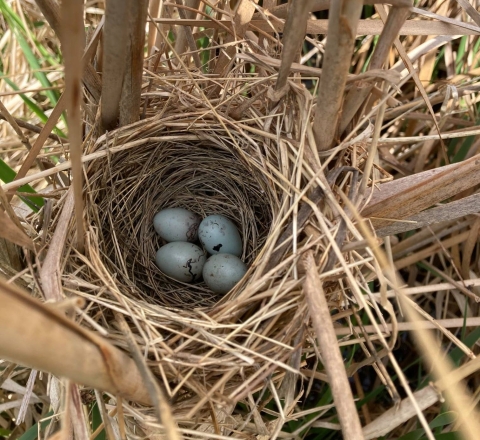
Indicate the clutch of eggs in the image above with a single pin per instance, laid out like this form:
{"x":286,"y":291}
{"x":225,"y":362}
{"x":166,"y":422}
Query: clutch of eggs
{"x":184,"y":261}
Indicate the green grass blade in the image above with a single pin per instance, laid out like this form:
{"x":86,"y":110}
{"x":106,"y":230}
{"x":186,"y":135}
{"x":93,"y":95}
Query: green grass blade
{"x":97,"y":421}
{"x":7,"y":175}
{"x":32,"y":433}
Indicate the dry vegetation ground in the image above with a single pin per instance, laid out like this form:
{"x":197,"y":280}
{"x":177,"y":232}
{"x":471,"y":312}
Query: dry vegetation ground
{"x":359,"y":317}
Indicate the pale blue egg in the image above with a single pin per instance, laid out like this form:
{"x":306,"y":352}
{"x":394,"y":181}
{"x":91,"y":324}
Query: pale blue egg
{"x":177,"y":224}
{"x":182,"y":261}
{"x":219,"y":235}
{"x":222,"y":271}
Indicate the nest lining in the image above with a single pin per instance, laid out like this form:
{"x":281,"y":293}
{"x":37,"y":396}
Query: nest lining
{"x":204,"y":177}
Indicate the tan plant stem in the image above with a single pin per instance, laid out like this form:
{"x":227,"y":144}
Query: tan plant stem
{"x":445,"y":212}
{"x":293,"y":37}
{"x":184,"y":33}
{"x":369,"y":172}
{"x":132,"y":79}
{"x":331,"y":356}
{"x":46,"y":340}
{"x":408,"y":196}
{"x":342,"y":28}
{"x":425,"y":398}
{"x":115,"y":41}
{"x":72,"y":44}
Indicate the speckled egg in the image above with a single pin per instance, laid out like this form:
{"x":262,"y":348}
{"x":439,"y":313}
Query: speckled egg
{"x":177,"y":224}
{"x":219,"y":235}
{"x":222,"y":271}
{"x":182,"y":261}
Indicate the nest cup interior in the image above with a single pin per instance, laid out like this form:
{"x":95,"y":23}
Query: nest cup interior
{"x":204,"y":178}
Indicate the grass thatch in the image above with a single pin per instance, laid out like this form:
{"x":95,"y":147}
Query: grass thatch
{"x":350,"y":166}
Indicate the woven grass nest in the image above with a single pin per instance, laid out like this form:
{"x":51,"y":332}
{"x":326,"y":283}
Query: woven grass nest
{"x":208,"y":351}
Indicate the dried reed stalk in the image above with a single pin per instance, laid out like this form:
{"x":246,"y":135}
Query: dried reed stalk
{"x":46,"y":340}
{"x":73,"y":38}
{"x":330,"y":352}
{"x":293,"y":38}
{"x":425,"y":397}
{"x":408,"y":196}
{"x":342,"y":24}
{"x":449,"y":211}
{"x":115,"y":52}
{"x":358,"y":95}
{"x":457,"y":392}
{"x":185,"y":38}
{"x":133,"y":74}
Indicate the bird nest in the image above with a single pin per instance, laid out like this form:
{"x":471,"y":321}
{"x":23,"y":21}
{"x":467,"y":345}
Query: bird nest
{"x":209,"y":352}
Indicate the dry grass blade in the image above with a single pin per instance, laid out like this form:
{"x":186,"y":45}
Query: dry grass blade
{"x":457,"y":392}
{"x":405,"y":197}
{"x":54,"y":116}
{"x":242,"y":15}
{"x":403,"y":54}
{"x":449,"y":211}
{"x":281,"y":11}
{"x":458,"y":395}
{"x":331,"y":356}
{"x":115,"y":52}
{"x":398,"y":415}
{"x":367,"y":27}
{"x":470,"y":10}
{"x":252,"y":363}
{"x":185,"y":38}
{"x":72,"y":44}
{"x":342,"y":25}
{"x":10,"y":231}
{"x":153,"y":10}
{"x":77,"y":415}
{"x":50,"y":270}
{"x":11,"y":120}
{"x":33,"y":128}
{"x":66,"y":349}
{"x":454,"y":323}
